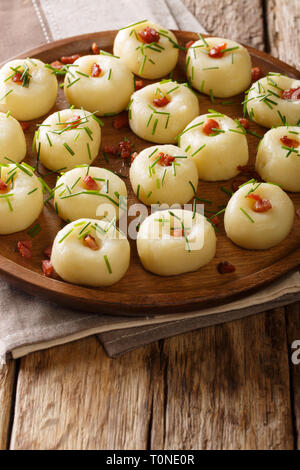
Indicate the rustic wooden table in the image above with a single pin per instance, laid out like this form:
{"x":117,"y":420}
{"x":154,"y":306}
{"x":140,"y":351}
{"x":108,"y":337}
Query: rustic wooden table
{"x":227,"y":387}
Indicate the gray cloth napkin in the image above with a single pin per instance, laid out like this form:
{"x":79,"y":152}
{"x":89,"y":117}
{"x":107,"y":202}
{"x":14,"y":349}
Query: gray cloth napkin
{"x":29,"y":323}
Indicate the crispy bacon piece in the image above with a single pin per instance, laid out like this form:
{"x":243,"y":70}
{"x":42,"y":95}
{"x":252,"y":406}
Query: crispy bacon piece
{"x":149,"y":35}
{"x":3,"y":187}
{"x":121,"y":121}
{"x":215,"y":220}
{"x":226,"y":267}
{"x":24,"y":125}
{"x":298,"y":213}
{"x":96,"y":70}
{"x":125,"y":147}
{"x":189,"y":44}
{"x":161,"y":102}
{"x":70,"y":59}
{"x":57,"y":64}
{"x":112,"y":149}
{"x":25,"y":248}
{"x":217,"y":52}
{"x":90,"y":183}
{"x":260,"y":205}
{"x":291,"y":94}
{"x":139,"y":84}
{"x":73,"y":122}
{"x":47,"y":267}
{"x":178,"y":232}
{"x":165,"y":159}
{"x":17,"y":78}
{"x":209,"y":125}
{"x":256,"y":73}
{"x":132,"y":157}
{"x":48,"y":251}
{"x":90,"y":242}
{"x":244,"y":122}
{"x":292,"y":143}
{"x":95,"y":48}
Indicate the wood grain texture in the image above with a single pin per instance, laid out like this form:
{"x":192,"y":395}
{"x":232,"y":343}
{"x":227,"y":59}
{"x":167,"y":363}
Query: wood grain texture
{"x":293,"y":336}
{"x":7,"y":379}
{"x":283,"y":19}
{"x":75,"y":397}
{"x":225,"y":387}
{"x":241,"y":20}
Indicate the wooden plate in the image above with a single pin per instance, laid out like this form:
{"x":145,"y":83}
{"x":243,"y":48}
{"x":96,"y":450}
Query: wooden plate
{"x":141,"y":292}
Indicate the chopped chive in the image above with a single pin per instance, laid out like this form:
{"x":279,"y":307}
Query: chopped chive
{"x":89,"y":150}
{"x":109,"y":74}
{"x":212,"y":98}
{"x":226,"y":191}
{"x":211,"y":68}
{"x":138,"y":191}
{"x":6,"y":94}
{"x":198,"y":150}
{"x":154,"y":126}
{"x":133,"y":24}
{"x":69,"y":149}
{"x":107,"y":264}
{"x":74,"y":81}
{"x":66,"y":235}
{"x":193,"y":187}
{"x":48,"y":138}
{"x":247,"y":215}
{"x":34,"y":230}
{"x":33,"y":190}
{"x":149,"y":120}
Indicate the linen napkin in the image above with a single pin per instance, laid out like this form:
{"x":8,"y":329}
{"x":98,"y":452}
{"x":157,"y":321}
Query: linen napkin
{"x":29,"y":323}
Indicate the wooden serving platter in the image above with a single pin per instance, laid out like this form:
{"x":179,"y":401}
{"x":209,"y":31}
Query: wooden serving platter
{"x":140,"y":292}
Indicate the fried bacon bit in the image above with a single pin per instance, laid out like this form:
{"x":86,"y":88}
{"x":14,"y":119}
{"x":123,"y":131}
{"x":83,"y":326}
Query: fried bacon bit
{"x":298,"y":213}
{"x":149,"y":35}
{"x":17,"y":78}
{"x":70,"y":59}
{"x":226,"y":268}
{"x":291,"y":94}
{"x":178,"y":232}
{"x":165,"y":159}
{"x":125,"y":147}
{"x":260,"y":205}
{"x":133,"y":157}
{"x":215,"y":220}
{"x":96,"y":70}
{"x":25,"y":248}
{"x":161,"y":102}
{"x":57,"y":64}
{"x":217,"y":52}
{"x":95,"y":48}
{"x":90,"y":183}
{"x":48,"y":251}
{"x":47,"y":267}
{"x":3,"y":187}
{"x":139,"y":84}
{"x":90,"y":242}
{"x":292,"y":143}
{"x":73,"y":122}
{"x":24,"y":125}
{"x":244,"y":122}
{"x":209,"y":126}
{"x":256,"y":73}
{"x":121,"y":121}
{"x":189,"y":44}
{"x":112,"y":149}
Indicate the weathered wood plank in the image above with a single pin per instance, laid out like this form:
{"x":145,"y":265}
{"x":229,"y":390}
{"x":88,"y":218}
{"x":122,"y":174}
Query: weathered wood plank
{"x":225,"y":388}
{"x":283,"y":18}
{"x":75,"y":397}
{"x":7,"y":378}
{"x":240,"y":20}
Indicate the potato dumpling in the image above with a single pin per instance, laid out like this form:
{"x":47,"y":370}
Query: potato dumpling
{"x":175,"y":242}
{"x":21,"y":198}
{"x":89,"y":192}
{"x":90,"y":252}
{"x":68,"y":138}
{"x":217,"y":145}
{"x":259,"y":216}
{"x":160,"y":111}
{"x":278,"y":157}
{"x":163,"y":174}
{"x":147,"y":49}
{"x":101,"y":84}
{"x":218,"y":66}
{"x":27,"y":89}
{"x":12,"y":139}
{"x":274,"y":100}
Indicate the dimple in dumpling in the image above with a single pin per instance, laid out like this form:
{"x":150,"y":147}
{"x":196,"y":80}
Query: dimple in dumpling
{"x":21,"y":198}
{"x":217,"y":145}
{"x":278,"y":157}
{"x":218,"y":66}
{"x":68,"y":138}
{"x":27,"y":89}
{"x":274,"y":100}
{"x":163,"y":174}
{"x":259,"y":216}
{"x":147,"y":49}
{"x":175,"y":242}
{"x":12,"y":139}
{"x":89,"y":192}
{"x":160,"y":111}
{"x":90,"y":252}
{"x":102,"y":84}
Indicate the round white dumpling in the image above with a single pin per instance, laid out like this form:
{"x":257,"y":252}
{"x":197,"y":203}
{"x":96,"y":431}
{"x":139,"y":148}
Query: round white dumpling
{"x":12,"y":139}
{"x":163,"y":174}
{"x":175,"y":242}
{"x":278,"y":157}
{"x":160,"y":111}
{"x":218,"y":66}
{"x":21,"y":198}
{"x":274,"y":100}
{"x":147,"y":49}
{"x":27,"y":89}
{"x":102,"y":84}
{"x":68,"y":138}
{"x":90,"y":192}
{"x":259,"y":216}
{"x":90,"y":252}
{"x":217,"y":145}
